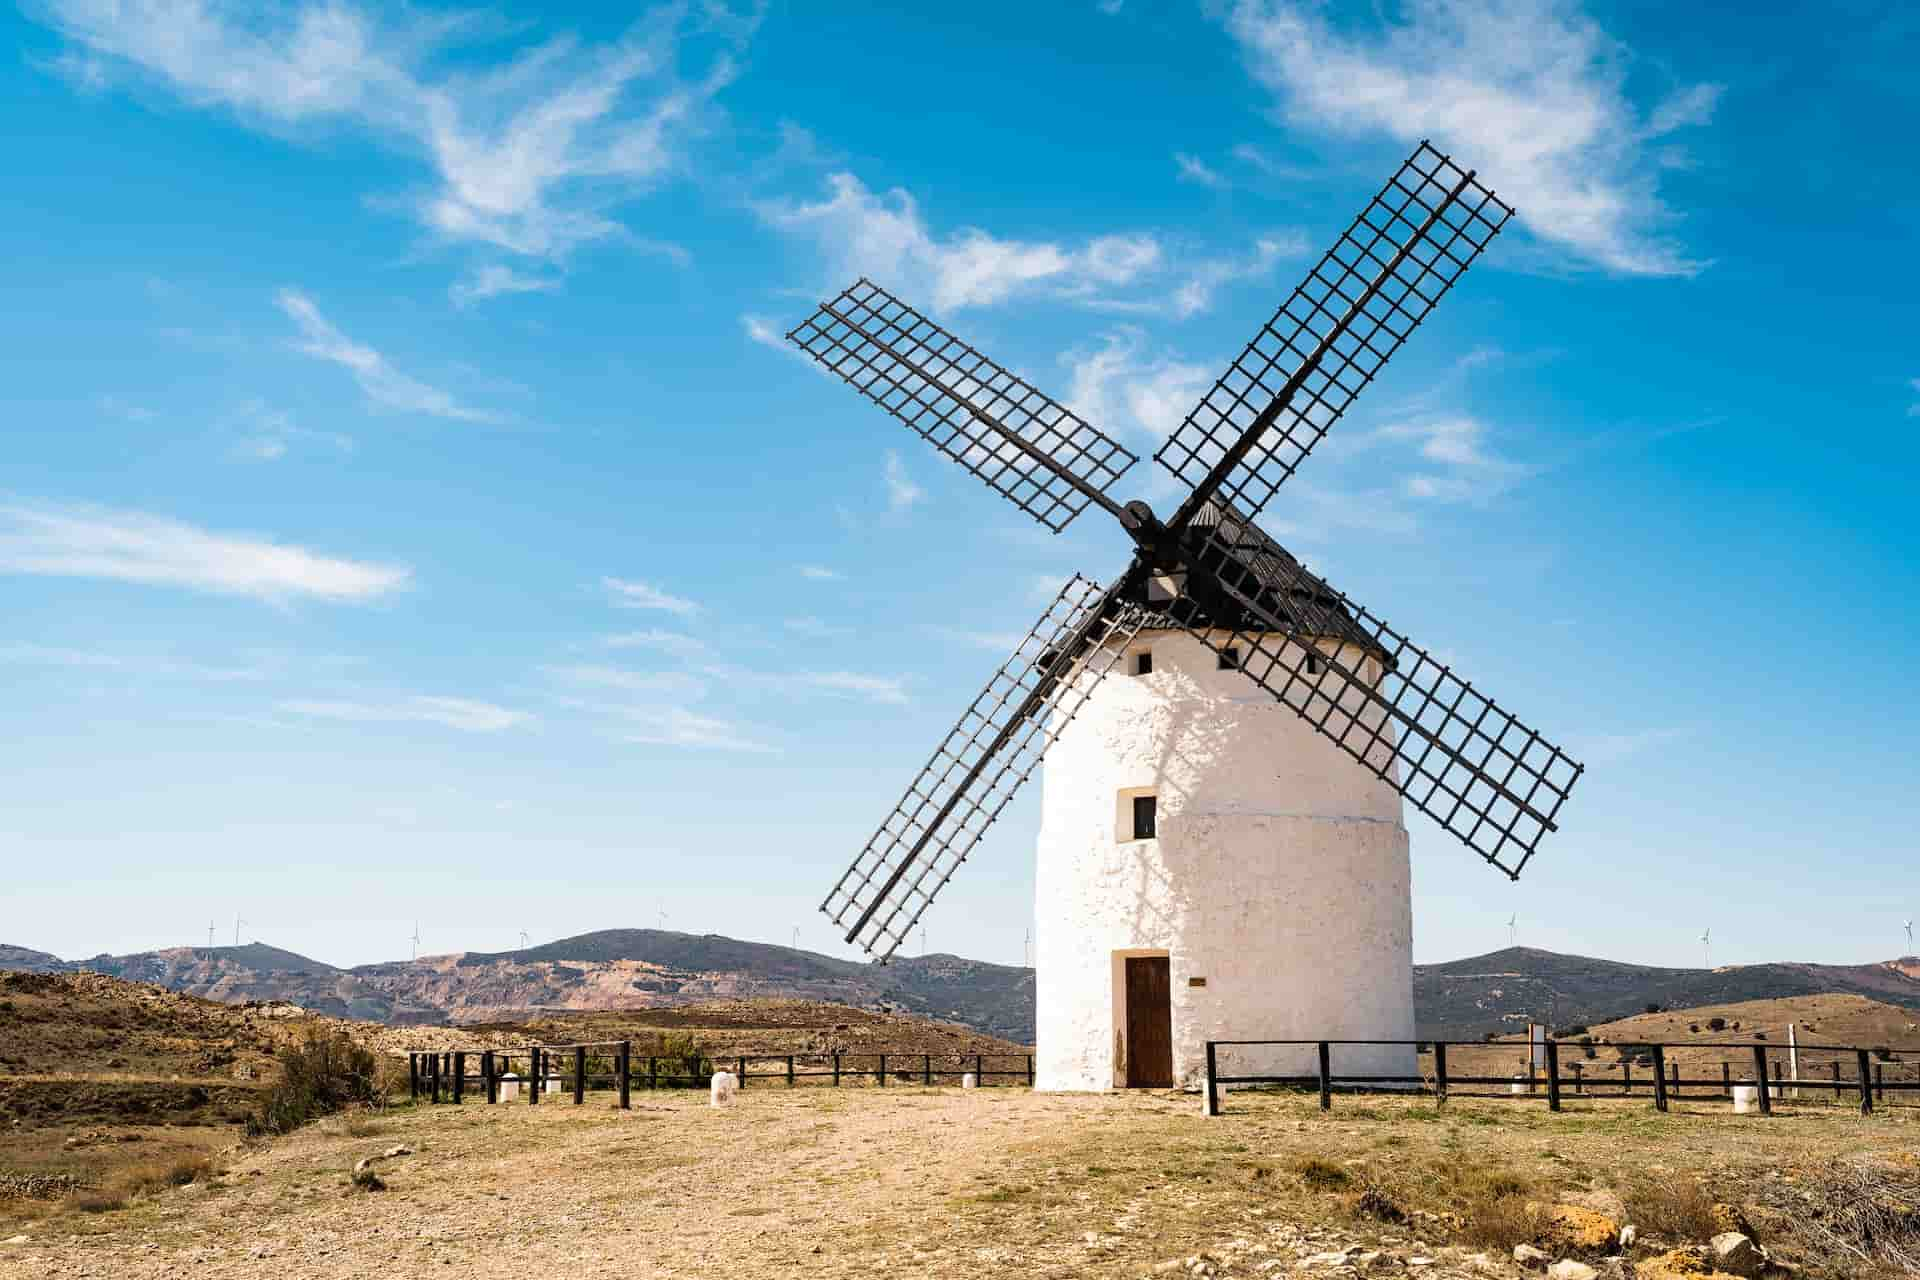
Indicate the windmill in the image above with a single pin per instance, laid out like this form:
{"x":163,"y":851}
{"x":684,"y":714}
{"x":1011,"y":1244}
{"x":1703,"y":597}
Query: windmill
{"x":416,"y":939}
{"x":1513,"y":930}
{"x":237,"y":922}
{"x":209,"y":935}
{"x":523,"y":939}
{"x":1908,"y":926}
{"x":1706,"y":948}
{"x":1165,"y":821}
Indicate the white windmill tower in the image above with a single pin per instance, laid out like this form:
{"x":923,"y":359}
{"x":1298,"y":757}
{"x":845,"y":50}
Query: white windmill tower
{"x":1908,"y":926}
{"x":1513,"y":930}
{"x":1228,"y":739}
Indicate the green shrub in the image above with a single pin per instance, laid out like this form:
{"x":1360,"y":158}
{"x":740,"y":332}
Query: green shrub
{"x":319,"y":1076}
{"x":1716,"y":1024}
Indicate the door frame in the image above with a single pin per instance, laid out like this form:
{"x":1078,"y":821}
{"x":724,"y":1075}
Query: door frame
{"x":1119,"y":986}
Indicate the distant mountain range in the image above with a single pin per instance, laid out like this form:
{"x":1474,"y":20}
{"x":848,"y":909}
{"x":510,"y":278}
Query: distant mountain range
{"x":650,"y":968}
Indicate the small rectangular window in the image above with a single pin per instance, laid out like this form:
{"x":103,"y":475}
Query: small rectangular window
{"x":1143,"y":817}
{"x":1143,"y":663}
{"x":1229,"y":659}
{"x":1313,"y":665}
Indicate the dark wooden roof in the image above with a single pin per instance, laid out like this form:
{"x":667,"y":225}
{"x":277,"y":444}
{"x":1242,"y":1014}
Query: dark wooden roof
{"x":1286,"y":588}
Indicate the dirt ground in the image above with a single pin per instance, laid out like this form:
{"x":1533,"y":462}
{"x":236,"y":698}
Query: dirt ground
{"x":914,"y":1182}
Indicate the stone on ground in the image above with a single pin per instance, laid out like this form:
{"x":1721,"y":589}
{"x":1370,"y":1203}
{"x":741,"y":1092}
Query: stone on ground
{"x":1570,"y":1228}
{"x":723,"y":1089}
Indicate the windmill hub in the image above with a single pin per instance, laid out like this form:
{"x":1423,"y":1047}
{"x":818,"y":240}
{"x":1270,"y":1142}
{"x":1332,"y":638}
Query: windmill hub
{"x":1229,"y":739}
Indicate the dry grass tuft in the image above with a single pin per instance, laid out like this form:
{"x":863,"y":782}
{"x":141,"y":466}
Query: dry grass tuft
{"x":1861,"y":1210}
{"x":1321,"y":1174}
{"x":136,"y":1181}
{"x":1673,"y":1208}
{"x":1493,"y":1207}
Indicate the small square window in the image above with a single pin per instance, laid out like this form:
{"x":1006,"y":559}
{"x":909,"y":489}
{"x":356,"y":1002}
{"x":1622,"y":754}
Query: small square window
{"x":1144,"y":813}
{"x":1229,"y":659}
{"x":1313,"y":665}
{"x":1143,"y":663}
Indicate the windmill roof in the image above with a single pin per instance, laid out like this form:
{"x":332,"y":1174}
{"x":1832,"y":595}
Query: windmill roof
{"x":1287,"y":588}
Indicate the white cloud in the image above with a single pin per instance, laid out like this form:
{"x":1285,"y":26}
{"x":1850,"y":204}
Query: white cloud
{"x":382,"y":383}
{"x":493,"y":280}
{"x":902,"y":492}
{"x":1195,"y":170}
{"x":464,"y":714}
{"x":820,"y":573}
{"x":813,"y":626}
{"x":630,"y":594}
{"x":1109,"y":7}
{"x":1529,"y":92}
{"x":132,"y":664}
{"x":1457,"y":466}
{"x":1119,"y":388}
{"x":267,"y":434}
{"x":1195,"y":294}
{"x":884,"y":689}
{"x":885,"y":236}
{"x":674,"y":684}
{"x":528,"y":156}
{"x":674,"y":644}
{"x":679,"y":727}
{"x":130,"y":546}
{"x":762,"y":331}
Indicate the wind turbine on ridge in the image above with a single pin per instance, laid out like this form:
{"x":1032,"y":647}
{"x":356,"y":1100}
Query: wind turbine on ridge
{"x":1706,"y":948}
{"x":1513,"y":929}
{"x":237,"y":922}
{"x":1909,"y":928}
{"x":523,"y":939}
{"x":416,"y":939}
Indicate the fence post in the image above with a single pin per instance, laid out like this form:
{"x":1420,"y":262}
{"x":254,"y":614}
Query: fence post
{"x":1880,"y":1081}
{"x":413,"y":1077}
{"x":742,"y":1064}
{"x":1213,"y":1092}
{"x":1579,"y":1078}
{"x":979,"y":1072}
{"x":626,"y":1075}
{"x":1659,"y":1077}
{"x":459,"y":1077}
{"x":1553,"y":1075}
{"x":836,"y":1068}
{"x":1760,"y":1079}
{"x":1626,"y":1076}
{"x":1029,"y":1071}
{"x":1673,"y":1085}
{"x":534,"y":1074}
{"x":882,"y":1072}
{"x":1726,"y":1078}
{"x":436,"y":1077}
{"x":789,"y":1071}
{"x":1866,"y":1091}
{"x":1440,"y":1072}
{"x":1326,"y":1077}
{"x":579,"y":1074}
{"x":926,"y":1070}
{"x":491,"y":1075}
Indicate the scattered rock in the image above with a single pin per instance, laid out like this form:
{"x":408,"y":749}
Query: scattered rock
{"x":14,"y":1240}
{"x":1735,"y":1253}
{"x":1688,"y":1263}
{"x":1569,"y":1228}
{"x":1568,"y":1269}
{"x":1728,"y":1217}
{"x":1628,"y":1234}
{"x":1530,"y":1258}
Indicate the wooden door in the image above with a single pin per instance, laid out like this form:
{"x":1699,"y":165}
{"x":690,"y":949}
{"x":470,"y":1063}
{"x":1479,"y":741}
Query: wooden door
{"x":1149,"y":1023}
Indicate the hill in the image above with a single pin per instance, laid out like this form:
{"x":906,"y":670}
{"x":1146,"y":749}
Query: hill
{"x":1465,"y":999}
{"x":628,"y":969}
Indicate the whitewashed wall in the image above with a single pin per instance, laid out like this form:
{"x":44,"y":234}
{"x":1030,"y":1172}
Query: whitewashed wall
{"x":1279,"y":875}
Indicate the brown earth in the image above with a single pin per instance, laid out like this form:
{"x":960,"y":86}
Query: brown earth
{"x":969,"y":1184}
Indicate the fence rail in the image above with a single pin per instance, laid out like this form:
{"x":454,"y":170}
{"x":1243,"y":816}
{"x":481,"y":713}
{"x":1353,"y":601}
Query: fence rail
{"x":1867,"y":1079}
{"x":443,"y":1075}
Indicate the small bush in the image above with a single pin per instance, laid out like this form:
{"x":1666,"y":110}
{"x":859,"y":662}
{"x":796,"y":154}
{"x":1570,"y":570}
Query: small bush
{"x":1694,"y":1027}
{"x":98,"y":1202}
{"x":1653,"y":1006}
{"x":1494,"y":1212}
{"x":1759,"y":1035}
{"x":1674,"y":1208}
{"x":321,"y":1075}
{"x":367,"y":1180}
{"x":1716,"y":1024}
{"x":1323,"y":1175}
{"x":1883,"y":1053}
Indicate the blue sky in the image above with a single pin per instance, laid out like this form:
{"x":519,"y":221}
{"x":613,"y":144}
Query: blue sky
{"x":408,"y":509}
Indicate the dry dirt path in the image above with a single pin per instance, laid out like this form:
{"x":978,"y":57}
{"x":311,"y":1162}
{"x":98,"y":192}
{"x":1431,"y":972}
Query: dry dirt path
{"x":902,"y":1182}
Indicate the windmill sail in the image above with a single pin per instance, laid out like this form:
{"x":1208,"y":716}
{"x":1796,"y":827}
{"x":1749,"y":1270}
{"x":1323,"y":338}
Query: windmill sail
{"x":1037,"y":453}
{"x":1461,"y":759}
{"x":1331,"y":337}
{"x":992,"y":750}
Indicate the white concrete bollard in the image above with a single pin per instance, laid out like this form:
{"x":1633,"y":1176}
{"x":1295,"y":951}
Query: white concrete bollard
{"x":553,"y":1084}
{"x":1519,"y":1084}
{"x":968,"y":1082}
{"x":1746,"y":1097}
{"x":723,"y":1089}
{"x":509,"y":1088}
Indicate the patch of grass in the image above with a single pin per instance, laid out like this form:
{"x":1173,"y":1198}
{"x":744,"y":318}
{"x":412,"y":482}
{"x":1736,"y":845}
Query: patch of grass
{"x":1676,"y":1208}
{"x":97,"y":1202}
{"x":319,"y":1076}
{"x":1320,"y":1174}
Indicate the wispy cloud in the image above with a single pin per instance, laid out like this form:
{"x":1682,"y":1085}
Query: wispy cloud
{"x":1191,"y":168}
{"x":679,"y":727}
{"x":267,"y":434}
{"x":142,"y":665}
{"x":494,"y":280}
{"x":527,"y":157}
{"x":1455,"y":464}
{"x":382,"y":383}
{"x":820,"y":573}
{"x":464,"y":714}
{"x":886,"y":236}
{"x":1611,"y":748}
{"x":1195,"y":293}
{"x":885,"y":689}
{"x":902,"y":492}
{"x":673,"y":684}
{"x":631,"y":594}
{"x":1533,"y":92}
{"x":992,"y":641}
{"x":1120,"y":386}
{"x":128,"y":546}
{"x":674,"y":644}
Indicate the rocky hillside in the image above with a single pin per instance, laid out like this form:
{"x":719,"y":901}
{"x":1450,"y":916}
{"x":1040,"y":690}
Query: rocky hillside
{"x":628,"y":969}
{"x":1465,"y":999}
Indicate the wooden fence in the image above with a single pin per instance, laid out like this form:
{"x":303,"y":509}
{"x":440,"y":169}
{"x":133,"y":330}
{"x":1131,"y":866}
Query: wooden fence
{"x":443,"y":1075}
{"x":1867,"y":1080}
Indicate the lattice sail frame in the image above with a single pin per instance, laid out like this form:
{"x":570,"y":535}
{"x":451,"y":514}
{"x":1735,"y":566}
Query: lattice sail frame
{"x":1468,"y":221}
{"x":1003,"y":735}
{"x":1457,"y":755}
{"x":933,"y":382}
